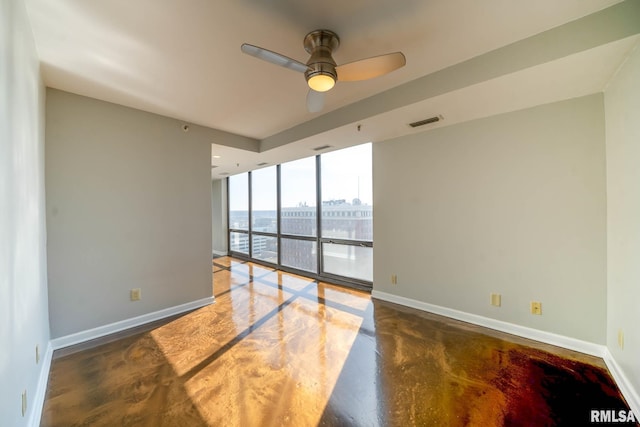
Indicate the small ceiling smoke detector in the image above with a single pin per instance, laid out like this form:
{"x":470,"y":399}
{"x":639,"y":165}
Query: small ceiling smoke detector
{"x":426,"y":121}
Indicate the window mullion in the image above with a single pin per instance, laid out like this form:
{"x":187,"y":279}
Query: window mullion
{"x":250,"y":214}
{"x":278,"y":215}
{"x":318,"y":213}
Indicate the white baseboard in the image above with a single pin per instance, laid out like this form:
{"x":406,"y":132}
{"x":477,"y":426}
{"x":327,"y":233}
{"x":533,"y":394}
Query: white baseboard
{"x":100,"y":331}
{"x":499,"y":325}
{"x":219,"y":253}
{"x":41,"y":391}
{"x":625,"y":386}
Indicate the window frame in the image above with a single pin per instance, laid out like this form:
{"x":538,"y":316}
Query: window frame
{"x":320,"y":274}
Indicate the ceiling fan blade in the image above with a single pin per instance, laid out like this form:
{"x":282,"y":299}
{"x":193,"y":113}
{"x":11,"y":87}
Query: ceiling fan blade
{"x":273,"y":57}
{"x":315,"y":101}
{"x":369,"y":68}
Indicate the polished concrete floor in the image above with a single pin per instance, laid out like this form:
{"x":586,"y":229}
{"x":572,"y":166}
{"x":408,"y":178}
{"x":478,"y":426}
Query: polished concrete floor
{"x":278,"y":349}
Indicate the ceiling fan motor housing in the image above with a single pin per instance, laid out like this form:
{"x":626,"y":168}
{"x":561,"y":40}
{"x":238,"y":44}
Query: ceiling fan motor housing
{"x":320,"y":44}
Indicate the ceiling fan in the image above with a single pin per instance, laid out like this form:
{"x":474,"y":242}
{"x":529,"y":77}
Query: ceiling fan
{"x":321,"y":71}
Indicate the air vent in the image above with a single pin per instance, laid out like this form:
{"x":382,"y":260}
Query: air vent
{"x":214,"y":166}
{"x":425,"y":121}
{"x":322,"y":147}
{"x":262,"y":164}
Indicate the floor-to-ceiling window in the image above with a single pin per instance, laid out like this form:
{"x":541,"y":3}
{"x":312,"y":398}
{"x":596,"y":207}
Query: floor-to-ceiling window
{"x":313,"y":215}
{"x":347,"y":213}
{"x":239,"y":213}
{"x":264,"y":214}
{"x":298,"y":213}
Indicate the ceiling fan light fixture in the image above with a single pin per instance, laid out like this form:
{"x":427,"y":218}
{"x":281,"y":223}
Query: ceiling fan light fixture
{"x":321,"y":71}
{"x":321,"y":82}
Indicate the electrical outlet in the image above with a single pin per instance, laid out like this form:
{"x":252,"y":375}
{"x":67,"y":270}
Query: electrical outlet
{"x":394,"y":279}
{"x":496,"y":300}
{"x":621,"y":338}
{"x":536,"y":307}
{"x":135,"y":294}
{"x":37,"y":354}
{"x":24,"y":402}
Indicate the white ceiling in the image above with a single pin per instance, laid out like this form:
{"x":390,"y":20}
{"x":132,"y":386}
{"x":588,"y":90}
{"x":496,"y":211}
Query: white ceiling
{"x":182,"y":59}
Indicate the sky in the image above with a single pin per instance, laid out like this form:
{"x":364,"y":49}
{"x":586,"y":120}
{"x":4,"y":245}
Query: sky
{"x":346,"y":174}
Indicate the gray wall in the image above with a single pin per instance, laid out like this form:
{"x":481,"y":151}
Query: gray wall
{"x":622,"y":108}
{"x":219,"y":216}
{"x":128,"y":206}
{"x":512,"y":204}
{"x":24,"y":321}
